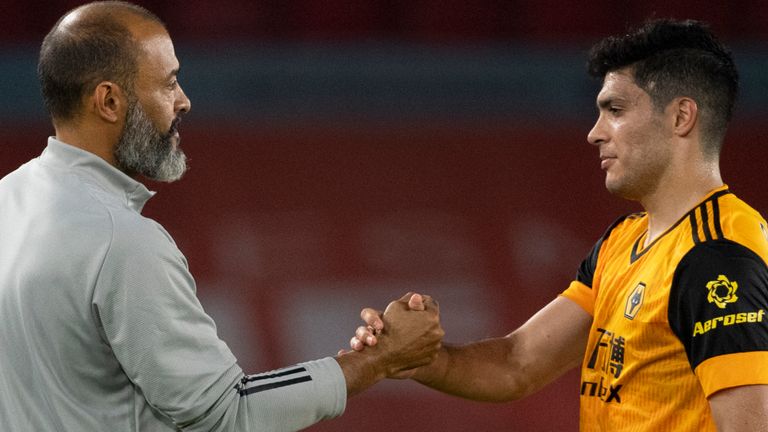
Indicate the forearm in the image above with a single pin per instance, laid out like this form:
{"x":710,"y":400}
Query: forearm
{"x":486,"y":370}
{"x":511,"y":367}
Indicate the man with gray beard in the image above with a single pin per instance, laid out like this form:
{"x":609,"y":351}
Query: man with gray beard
{"x":101,"y":329}
{"x":142,"y":149}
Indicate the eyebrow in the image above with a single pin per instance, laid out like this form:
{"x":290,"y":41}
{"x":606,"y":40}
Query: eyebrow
{"x":173,"y":73}
{"x":606,"y":102}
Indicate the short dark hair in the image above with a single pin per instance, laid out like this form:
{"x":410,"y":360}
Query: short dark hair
{"x":669,"y":59}
{"x":76,"y":56}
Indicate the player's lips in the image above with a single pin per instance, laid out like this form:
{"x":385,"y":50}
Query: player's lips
{"x":606,"y":161}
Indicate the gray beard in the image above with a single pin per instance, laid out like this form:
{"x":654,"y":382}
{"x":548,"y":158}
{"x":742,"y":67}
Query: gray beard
{"x":142,"y":149}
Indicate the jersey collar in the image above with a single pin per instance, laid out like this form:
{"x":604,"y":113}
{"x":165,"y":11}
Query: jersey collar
{"x":637,"y":249}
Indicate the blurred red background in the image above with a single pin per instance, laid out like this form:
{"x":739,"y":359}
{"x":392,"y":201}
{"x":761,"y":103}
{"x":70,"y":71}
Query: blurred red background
{"x":343,"y":153}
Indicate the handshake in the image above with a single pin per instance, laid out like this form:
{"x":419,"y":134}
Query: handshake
{"x":393,"y":344}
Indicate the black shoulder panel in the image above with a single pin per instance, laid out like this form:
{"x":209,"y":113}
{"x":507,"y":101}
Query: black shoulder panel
{"x":718,"y":301}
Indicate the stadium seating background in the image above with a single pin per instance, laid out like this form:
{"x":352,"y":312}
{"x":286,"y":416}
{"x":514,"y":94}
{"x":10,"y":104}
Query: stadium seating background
{"x":344,"y":152}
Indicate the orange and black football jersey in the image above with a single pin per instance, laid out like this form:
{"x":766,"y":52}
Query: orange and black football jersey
{"x":675,"y":320}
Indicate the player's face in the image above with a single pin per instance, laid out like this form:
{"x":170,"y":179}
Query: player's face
{"x":629,"y":132}
{"x":150,"y":141}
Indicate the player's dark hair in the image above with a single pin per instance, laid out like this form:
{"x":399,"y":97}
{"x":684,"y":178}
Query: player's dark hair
{"x":76,"y":56}
{"x":670,"y":59}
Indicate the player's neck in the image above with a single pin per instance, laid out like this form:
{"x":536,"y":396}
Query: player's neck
{"x":676,"y":198}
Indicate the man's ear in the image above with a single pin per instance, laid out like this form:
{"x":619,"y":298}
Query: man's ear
{"x":686,"y":113}
{"x":110,"y":101}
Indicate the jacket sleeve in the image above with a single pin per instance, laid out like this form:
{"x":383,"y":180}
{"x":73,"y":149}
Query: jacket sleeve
{"x":168,"y":347}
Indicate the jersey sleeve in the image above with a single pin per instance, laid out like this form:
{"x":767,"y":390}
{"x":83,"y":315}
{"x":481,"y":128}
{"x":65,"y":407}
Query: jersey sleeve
{"x":580,"y":290}
{"x":717,"y":308}
{"x":582,"y":295}
{"x":167,"y":346}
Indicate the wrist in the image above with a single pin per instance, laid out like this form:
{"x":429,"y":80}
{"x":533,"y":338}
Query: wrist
{"x":361,"y":369}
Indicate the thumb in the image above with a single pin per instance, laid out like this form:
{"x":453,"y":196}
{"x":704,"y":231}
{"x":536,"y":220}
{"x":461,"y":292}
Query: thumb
{"x":416,"y":303}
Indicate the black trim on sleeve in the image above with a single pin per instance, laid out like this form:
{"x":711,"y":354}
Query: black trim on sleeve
{"x":586,"y":272}
{"x":718,"y":302}
{"x":250,"y":378}
{"x":274,"y":385}
{"x":243,"y":389}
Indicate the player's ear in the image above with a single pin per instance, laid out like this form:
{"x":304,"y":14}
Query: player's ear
{"x":109,"y":101}
{"x":686,"y":115}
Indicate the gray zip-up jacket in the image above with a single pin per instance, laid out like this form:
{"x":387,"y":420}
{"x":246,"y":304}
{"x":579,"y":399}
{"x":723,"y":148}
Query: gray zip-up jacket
{"x":100,"y":328}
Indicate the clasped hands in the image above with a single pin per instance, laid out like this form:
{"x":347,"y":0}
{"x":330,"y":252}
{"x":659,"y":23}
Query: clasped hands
{"x":407,"y":335}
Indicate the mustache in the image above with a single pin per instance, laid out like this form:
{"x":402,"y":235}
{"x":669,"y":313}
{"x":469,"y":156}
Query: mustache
{"x":174,"y":126}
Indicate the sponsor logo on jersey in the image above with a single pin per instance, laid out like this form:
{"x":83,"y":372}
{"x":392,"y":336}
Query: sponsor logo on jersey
{"x":702,"y":327}
{"x":598,"y":389}
{"x":606,"y":358}
{"x":722,"y":291}
{"x":608,"y":353}
{"x":634,"y":301}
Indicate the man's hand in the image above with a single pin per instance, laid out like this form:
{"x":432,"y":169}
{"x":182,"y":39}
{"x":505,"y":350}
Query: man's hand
{"x":411,"y":334}
{"x":406,"y":336}
{"x":367,"y":335}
